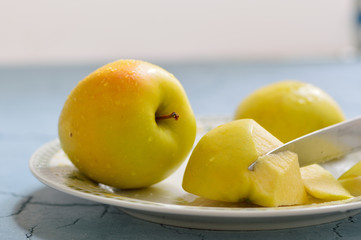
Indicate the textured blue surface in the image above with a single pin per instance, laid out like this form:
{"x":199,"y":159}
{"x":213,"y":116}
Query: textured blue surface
{"x":30,"y":102}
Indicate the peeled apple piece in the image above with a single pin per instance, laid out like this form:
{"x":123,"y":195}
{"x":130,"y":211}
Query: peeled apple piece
{"x":277,"y":181}
{"x":218,"y":167}
{"x":351,"y":180}
{"x":321,"y":184}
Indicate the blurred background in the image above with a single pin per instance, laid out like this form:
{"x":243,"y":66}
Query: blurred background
{"x":220,"y":50}
{"x":90,"y":31}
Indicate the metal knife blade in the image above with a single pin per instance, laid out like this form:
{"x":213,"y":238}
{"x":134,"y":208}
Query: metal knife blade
{"x":325,"y":144}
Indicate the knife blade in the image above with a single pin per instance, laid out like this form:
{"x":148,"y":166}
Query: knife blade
{"x":325,"y":144}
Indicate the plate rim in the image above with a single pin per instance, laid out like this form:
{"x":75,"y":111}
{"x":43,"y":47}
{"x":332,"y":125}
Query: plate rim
{"x":53,"y":147}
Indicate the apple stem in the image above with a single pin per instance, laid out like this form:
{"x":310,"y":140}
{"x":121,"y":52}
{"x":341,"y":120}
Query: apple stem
{"x":172,"y":115}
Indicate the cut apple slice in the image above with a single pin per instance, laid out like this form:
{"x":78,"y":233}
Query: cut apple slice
{"x":277,"y":181}
{"x":321,"y":184}
{"x":351,"y":180}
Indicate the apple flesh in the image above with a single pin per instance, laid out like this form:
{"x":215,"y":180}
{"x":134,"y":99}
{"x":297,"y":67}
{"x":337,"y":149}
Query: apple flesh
{"x":321,"y":184}
{"x":277,"y":181}
{"x":129,"y":124}
{"x":351,"y":180}
{"x":218,"y":167}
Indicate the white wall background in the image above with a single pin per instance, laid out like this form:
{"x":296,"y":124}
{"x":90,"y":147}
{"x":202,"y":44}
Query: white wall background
{"x":45,"y":31}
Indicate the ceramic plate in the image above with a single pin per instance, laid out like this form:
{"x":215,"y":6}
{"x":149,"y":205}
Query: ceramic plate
{"x":167,"y":203}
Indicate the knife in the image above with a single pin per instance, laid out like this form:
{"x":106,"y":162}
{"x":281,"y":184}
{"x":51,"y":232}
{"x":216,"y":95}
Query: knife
{"x":325,"y":144}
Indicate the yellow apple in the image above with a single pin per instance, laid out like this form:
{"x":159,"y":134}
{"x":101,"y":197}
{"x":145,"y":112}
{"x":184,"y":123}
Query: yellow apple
{"x":128,"y":124}
{"x":290,"y":109}
{"x":351,"y":179}
{"x":218,"y":166}
{"x":321,"y":184}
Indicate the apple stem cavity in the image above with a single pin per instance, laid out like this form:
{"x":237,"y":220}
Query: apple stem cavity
{"x":172,"y":115}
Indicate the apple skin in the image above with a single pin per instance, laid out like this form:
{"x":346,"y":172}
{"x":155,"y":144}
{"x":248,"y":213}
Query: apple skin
{"x":108,"y":126}
{"x":290,"y":109}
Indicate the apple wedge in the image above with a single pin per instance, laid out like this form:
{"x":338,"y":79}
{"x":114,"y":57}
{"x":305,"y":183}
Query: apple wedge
{"x":321,"y":184}
{"x":277,"y":181}
{"x":351,"y":180}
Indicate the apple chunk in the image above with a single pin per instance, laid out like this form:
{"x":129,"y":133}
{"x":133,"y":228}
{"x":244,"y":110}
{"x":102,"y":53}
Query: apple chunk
{"x":321,"y":184}
{"x":353,"y":185}
{"x":218,"y":166}
{"x":277,"y":181}
{"x":351,"y":179}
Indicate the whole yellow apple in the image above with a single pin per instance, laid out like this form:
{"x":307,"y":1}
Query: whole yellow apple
{"x":129,"y":124}
{"x":290,"y":109}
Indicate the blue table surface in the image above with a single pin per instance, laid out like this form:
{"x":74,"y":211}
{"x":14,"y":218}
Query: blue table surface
{"x":31,"y":98}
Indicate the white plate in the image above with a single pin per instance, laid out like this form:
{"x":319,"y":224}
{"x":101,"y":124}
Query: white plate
{"x":167,"y":203}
